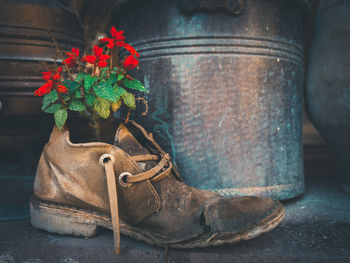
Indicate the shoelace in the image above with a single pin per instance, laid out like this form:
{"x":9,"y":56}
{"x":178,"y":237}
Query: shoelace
{"x":158,"y":172}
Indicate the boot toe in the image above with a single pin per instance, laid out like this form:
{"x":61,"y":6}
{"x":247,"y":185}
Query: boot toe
{"x":229,"y":216}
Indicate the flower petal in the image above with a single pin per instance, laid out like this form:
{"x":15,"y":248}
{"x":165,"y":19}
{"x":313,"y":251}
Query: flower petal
{"x":113,"y":31}
{"x":62,"y":89}
{"x":110,"y":43}
{"x":130,"y":49}
{"x":44,"y":89}
{"x":105,"y":39}
{"x":97,"y":51}
{"x":70,"y":62}
{"x":46,"y":77}
{"x":104,"y":57}
{"x":117,"y":35}
{"x":56,"y":76}
{"x":102,"y":64}
{"x":130,"y":62}
{"x":120,"y":43}
{"x":89,"y":58}
{"x":75,"y":51}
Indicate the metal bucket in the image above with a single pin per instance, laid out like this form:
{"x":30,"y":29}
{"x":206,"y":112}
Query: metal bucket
{"x":226,"y":90}
{"x":328,"y":79}
{"x":24,"y":46}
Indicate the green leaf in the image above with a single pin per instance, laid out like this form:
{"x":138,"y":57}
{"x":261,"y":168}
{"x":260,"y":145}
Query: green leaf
{"x":105,"y":91}
{"x":81,"y":76}
{"x":89,"y":99}
{"x":77,"y":105}
{"x":49,"y":98}
{"x":120,"y":76}
{"x":78,"y":94}
{"x":46,"y":102}
{"x":72,"y":86}
{"x":119,"y":91}
{"x":103,"y":72}
{"x":53,"y":108}
{"x":54,"y":96}
{"x":89,"y":81}
{"x":134,"y":84}
{"x":114,"y":70}
{"x":112,"y":79}
{"x":60,"y":118}
{"x":116,"y":105}
{"x":129,"y":100}
{"x":102,"y":107}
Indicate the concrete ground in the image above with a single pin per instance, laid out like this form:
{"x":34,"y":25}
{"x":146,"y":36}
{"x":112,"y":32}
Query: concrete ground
{"x":316,"y":229}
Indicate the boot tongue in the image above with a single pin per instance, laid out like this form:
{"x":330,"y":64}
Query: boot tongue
{"x":128,"y":143}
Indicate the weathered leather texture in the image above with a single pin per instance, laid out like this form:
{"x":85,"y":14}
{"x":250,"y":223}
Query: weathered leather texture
{"x":70,"y":174}
{"x":188,"y":212}
{"x":168,"y":210}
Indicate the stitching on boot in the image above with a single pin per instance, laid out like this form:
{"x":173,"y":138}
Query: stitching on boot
{"x":157,"y":204}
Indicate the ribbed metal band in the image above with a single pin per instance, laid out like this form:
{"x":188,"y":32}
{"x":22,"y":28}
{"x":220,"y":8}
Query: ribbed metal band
{"x":164,"y":47}
{"x":34,"y":36}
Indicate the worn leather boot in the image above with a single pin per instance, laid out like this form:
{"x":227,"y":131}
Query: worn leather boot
{"x":134,"y":188}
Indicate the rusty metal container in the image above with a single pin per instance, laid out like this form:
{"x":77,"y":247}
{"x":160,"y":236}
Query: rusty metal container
{"x":327,"y":93}
{"x":24,"y":46}
{"x":226,"y":89}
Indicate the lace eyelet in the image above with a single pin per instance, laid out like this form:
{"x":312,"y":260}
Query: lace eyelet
{"x":104,"y":158}
{"x":121,"y":179}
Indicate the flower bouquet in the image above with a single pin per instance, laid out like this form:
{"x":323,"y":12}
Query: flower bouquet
{"x":93,"y":85}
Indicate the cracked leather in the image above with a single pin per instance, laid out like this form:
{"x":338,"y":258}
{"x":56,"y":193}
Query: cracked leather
{"x":167,"y":210}
{"x":70,"y":174}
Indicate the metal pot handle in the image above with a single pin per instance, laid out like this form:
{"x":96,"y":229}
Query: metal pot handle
{"x":233,"y":6}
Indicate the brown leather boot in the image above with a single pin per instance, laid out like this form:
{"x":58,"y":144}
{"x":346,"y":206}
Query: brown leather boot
{"x":133,"y":187}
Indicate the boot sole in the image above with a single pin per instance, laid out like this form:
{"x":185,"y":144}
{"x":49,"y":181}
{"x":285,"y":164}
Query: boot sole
{"x":66,"y":220}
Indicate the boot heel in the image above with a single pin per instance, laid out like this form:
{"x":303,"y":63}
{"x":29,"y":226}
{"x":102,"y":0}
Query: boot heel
{"x":59,"y":220}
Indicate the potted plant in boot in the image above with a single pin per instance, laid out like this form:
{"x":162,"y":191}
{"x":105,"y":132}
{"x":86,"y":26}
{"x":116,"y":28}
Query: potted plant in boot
{"x":131,"y":185}
{"x":93,"y":85}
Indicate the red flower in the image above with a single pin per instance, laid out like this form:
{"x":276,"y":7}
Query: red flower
{"x":72,"y":57}
{"x":62,"y":89}
{"x":99,"y":59}
{"x":130,"y":62}
{"x":46,"y":75}
{"x":52,"y":81}
{"x":109,"y":41}
{"x":116,"y":40}
{"x":117,"y":35}
{"x":52,"y":75}
{"x":43,"y":90}
{"x":131,"y":49}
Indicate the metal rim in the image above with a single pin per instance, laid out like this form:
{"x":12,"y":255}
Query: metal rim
{"x":104,"y":157}
{"x":121,"y":179}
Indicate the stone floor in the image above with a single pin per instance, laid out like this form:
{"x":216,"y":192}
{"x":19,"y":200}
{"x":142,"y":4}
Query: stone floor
{"x":316,"y":229}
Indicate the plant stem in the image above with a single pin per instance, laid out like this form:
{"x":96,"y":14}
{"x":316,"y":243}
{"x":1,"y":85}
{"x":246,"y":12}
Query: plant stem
{"x":111,"y":61}
{"x":60,"y":97}
{"x":58,"y":51}
{"x":127,"y":116}
{"x":117,"y":56}
{"x":96,"y":126}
